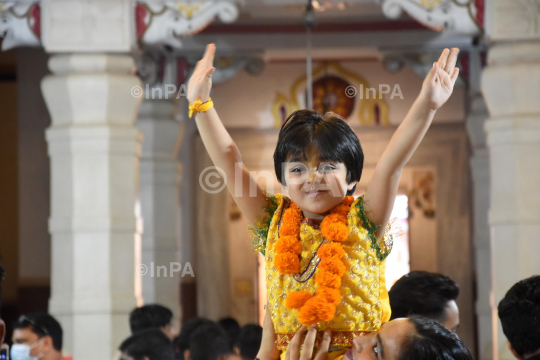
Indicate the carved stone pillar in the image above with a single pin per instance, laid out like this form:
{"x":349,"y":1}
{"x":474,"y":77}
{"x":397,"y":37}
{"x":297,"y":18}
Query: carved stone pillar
{"x":94,"y":151}
{"x":511,"y":88}
{"x":94,"y":148}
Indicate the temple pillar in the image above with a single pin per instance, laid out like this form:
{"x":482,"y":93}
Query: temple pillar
{"x":511,"y":87}
{"x":94,"y":150}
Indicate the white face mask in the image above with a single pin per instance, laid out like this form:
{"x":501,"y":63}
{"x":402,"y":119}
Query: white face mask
{"x":22,"y":351}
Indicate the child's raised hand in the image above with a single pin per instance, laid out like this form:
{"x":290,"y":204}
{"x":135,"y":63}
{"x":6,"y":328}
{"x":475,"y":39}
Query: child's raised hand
{"x":439,"y":82}
{"x":200,"y":83}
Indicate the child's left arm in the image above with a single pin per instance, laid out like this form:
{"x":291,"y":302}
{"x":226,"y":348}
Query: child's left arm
{"x":436,"y":89}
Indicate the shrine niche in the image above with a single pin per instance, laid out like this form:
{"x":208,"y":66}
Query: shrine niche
{"x":334,"y":89}
{"x":329,"y":95}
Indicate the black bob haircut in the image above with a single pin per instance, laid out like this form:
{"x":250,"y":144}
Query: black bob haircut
{"x":152,"y":344}
{"x":422,"y":293}
{"x":42,"y":324}
{"x":519,"y":312}
{"x":329,"y":134}
{"x":149,"y":317}
{"x":432,"y":340}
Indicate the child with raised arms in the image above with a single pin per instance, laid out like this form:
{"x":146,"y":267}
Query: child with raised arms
{"x":325,"y":250}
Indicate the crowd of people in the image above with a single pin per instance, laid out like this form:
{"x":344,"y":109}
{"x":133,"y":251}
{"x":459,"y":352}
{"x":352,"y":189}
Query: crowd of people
{"x":425,"y":318}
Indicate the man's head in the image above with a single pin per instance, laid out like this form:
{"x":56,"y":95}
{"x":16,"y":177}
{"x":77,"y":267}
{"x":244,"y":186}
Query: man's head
{"x":249,"y":342}
{"x":427,"y":294}
{"x":519,"y":312}
{"x":182,"y":340}
{"x":152,"y":317}
{"x":150,"y":344}
{"x":37,"y":334}
{"x":413,"y":338}
{"x":231,"y":328}
{"x":209,"y":342}
{"x":2,"y":325}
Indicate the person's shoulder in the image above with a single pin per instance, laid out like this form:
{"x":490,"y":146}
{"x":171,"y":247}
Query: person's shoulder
{"x":275,"y":202}
{"x":359,"y":217}
{"x":277,"y":197}
{"x":67,"y":358}
{"x":261,"y":227}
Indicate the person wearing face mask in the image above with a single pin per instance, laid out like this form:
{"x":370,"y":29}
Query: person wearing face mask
{"x":2,"y":325}
{"x":37,"y":336}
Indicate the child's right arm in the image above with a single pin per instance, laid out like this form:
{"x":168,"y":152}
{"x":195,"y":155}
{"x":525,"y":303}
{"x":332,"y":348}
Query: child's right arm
{"x":219,"y":144}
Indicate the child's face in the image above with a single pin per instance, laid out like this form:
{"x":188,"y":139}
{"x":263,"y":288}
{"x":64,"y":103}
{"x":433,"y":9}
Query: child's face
{"x":314,"y":185}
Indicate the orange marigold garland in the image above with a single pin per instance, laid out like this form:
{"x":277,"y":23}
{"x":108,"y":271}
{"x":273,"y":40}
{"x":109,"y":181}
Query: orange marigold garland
{"x":287,"y":263}
{"x":334,"y":226}
{"x":315,"y":310}
{"x":332,"y":295}
{"x":288,"y":244}
{"x":325,"y":278}
{"x":297,"y":299}
{"x":322,"y":305}
{"x":331,"y":250}
{"x":288,"y":247}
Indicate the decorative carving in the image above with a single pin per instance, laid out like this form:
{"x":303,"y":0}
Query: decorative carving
{"x":515,"y":19}
{"x":234,"y":211}
{"x":228,"y":67}
{"x":422,"y":196}
{"x":168,"y":22}
{"x":20,"y":24}
{"x":420,"y":63}
{"x":149,"y":67}
{"x":164,"y":73}
{"x":531,"y":8}
{"x":459,"y":16}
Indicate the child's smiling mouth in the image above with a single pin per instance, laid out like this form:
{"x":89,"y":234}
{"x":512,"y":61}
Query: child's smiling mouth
{"x":315,"y":193}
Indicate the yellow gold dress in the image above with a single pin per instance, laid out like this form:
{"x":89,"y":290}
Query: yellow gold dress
{"x":364,"y":304}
